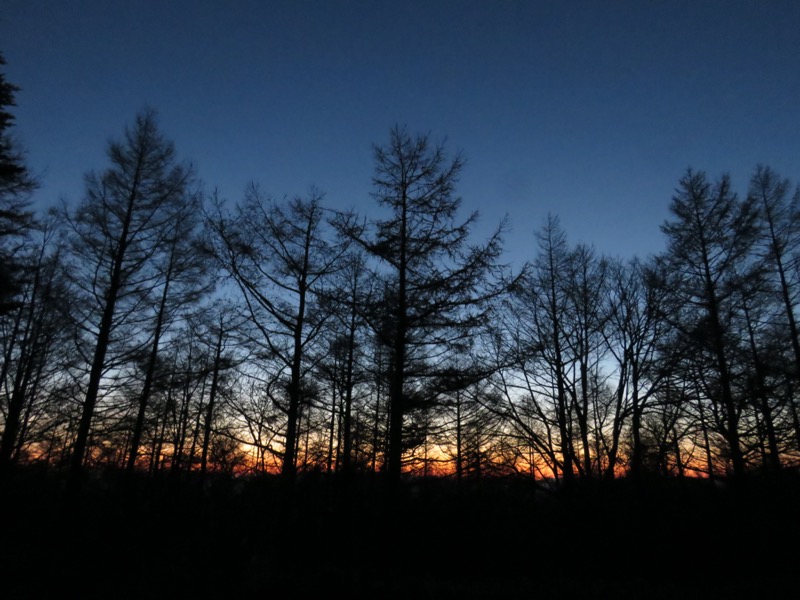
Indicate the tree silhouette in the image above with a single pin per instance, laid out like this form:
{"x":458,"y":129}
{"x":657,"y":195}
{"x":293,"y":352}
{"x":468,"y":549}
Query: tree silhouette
{"x":16,"y":186}
{"x":279,"y":259}
{"x":36,"y":349}
{"x":181,"y":272}
{"x":118,"y":232}
{"x":707,"y":264}
{"x":437,"y":285}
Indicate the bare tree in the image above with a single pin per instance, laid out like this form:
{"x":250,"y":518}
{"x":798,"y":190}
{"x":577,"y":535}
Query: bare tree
{"x":279,"y":258}
{"x":541,"y":345}
{"x":35,"y":343}
{"x":779,"y":214}
{"x":117,"y":233}
{"x":183,"y":276}
{"x":16,"y":186}
{"x":707,"y":263}
{"x":632,"y":337}
{"x":437,"y":285}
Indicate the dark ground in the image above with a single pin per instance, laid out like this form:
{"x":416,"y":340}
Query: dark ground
{"x":145,"y":538}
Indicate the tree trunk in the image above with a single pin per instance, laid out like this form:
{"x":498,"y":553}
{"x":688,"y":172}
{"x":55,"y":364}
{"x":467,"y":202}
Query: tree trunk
{"x":103,"y":337}
{"x":332,"y":426}
{"x":212,"y":396}
{"x":348,"y":393}
{"x":397,"y":381}
{"x":144,"y":397}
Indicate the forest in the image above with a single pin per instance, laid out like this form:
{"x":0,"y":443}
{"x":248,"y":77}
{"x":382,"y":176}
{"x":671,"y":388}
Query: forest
{"x":273,"y":396}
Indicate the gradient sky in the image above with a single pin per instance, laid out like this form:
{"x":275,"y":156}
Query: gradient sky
{"x":588,"y":110}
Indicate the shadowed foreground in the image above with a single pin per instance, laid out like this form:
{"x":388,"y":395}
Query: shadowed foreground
{"x":502,"y":539}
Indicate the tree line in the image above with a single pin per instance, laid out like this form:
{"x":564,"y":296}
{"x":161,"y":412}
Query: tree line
{"x":153,"y":327}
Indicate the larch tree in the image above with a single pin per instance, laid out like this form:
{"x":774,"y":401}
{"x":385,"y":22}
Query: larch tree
{"x":35,"y":342}
{"x":707,"y":263}
{"x":779,"y":214}
{"x":117,"y":234}
{"x":348,"y":295}
{"x":541,"y":308}
{"x":182,"y":274}
{"x":16,"y":186}
{"x":632,"y":337}
{"x":437,"y":285}
{"x":279,"y":257}
{"x":584,"y":329}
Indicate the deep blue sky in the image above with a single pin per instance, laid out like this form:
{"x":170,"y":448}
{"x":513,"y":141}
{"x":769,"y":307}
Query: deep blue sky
{"x":588,"y":110}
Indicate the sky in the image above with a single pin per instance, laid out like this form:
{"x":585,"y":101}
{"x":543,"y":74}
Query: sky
{"x":587,"y":110}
